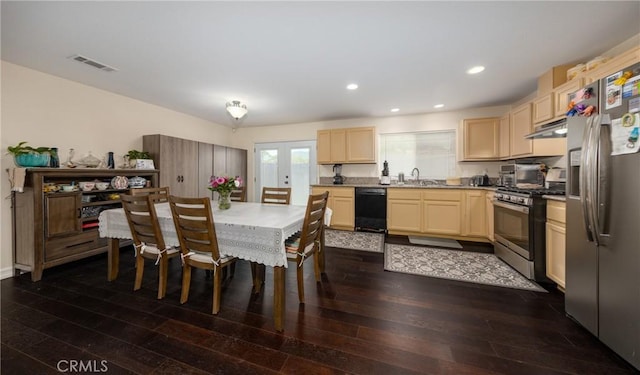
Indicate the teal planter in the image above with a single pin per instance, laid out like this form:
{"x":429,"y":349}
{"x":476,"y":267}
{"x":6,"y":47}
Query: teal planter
{"x":32,"y":160}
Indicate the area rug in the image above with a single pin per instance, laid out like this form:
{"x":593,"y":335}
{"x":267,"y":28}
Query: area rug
{"x":354,"y":240}
{"x":455,"y":265}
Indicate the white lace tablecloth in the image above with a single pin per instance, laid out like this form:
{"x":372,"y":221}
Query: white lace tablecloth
{"x":251,"y":231}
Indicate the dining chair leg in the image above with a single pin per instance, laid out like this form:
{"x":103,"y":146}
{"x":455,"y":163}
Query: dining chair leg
{"x":139,"y":270}
{"x":217,"y":289}
{"x":162,"y":279}
{"x":186,"y":282}
{"x":300,"y":277}
{"x":316,"y":266}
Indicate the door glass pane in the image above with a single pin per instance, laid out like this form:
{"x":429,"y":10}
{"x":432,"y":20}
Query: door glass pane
{"x":299,"y":177}
{"x":268,"y":169}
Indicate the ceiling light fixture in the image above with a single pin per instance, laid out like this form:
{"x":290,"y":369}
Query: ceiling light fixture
{"x":352,"y":86}
{"x":475,"y":70}
{"x":395,"y":109}
{"x":438,"y":106}
{"x":236,"y":109}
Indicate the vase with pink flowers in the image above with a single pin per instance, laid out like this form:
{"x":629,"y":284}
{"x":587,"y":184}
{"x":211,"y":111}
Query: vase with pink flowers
{"x":223,"y":185}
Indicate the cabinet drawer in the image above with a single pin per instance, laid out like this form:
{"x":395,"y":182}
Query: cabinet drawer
{"x":556,"y":211}
{"x":341,"y":192}
{"x":442,"y":195}
{"x":65,"y":246}
{"x":403,"y":193}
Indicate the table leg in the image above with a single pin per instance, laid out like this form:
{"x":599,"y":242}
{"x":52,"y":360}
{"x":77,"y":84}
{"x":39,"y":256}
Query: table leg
{"x":278,"y":297}
{"x":113,"y":259}
{"x":257,"y":274}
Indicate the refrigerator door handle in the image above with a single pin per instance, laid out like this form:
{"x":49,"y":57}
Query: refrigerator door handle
{"x":585,"y":167}
{"x":600,"y":180}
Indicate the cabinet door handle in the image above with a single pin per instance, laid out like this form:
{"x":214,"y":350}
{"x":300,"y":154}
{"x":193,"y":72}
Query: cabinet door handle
{"x":79,"y":213}
{"x":178,"y":179}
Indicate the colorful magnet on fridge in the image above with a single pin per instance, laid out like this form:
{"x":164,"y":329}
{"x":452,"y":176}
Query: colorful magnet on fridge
{"x":620,"y":81}
{"x":589,"y":111}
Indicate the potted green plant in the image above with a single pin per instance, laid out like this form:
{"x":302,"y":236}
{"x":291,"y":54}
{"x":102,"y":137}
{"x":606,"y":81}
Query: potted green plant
{"x":27,"y":156}
{"x":135,"y":155}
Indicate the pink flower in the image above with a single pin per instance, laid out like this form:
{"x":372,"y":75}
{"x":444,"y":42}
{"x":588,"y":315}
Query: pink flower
{"x":224,"y":183}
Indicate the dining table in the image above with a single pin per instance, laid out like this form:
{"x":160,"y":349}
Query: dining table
{"x":248,"y":230}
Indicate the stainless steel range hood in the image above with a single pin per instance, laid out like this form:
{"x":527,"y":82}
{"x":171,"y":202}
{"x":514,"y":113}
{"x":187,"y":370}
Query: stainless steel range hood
{"x":557,"y":129}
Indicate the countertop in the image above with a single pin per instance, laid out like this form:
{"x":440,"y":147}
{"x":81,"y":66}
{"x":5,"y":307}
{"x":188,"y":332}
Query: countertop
{"x":560,"y":198}
{"x":410,"y":186}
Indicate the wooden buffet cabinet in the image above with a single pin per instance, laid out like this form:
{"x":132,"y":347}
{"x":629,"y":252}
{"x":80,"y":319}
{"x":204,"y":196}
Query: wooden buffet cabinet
{"x":53,"y":228}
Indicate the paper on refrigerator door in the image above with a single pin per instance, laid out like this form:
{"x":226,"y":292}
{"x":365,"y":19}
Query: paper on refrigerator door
{"x":625,"y":132}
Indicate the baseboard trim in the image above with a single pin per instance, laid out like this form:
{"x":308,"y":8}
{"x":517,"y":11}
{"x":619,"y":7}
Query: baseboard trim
{"x":6,"y":273}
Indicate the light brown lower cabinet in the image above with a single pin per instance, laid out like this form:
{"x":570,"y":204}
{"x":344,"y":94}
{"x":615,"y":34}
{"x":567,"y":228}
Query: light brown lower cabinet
{"x":556,"y":241}
{"x":404,"y":210}
{"x":342,"y":204}
{"x":440,"y":212}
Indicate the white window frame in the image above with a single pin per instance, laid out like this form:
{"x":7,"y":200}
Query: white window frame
{"x":438,"y":165}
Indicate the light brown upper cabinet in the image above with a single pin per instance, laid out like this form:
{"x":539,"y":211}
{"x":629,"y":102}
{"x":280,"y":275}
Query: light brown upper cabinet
{"x":543,"y":108}
{"x":521,"y":125}
{"x":481,"y":139}
{"x":616,"y":64}
{"x":505,"y":133}
{"x":564,"y":94}
{"x":361,"y":145}
{"x":344,"y":146}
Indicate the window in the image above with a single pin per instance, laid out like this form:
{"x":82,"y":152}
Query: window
{"x":433,"y":153}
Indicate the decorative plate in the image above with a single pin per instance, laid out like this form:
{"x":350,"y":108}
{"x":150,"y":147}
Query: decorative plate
{"x":120,"y":182}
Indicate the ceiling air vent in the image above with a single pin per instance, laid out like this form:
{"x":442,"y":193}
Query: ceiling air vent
{"x":93,"y":63}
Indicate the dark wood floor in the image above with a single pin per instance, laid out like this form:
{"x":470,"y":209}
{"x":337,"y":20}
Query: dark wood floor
{"x":359,"y":320}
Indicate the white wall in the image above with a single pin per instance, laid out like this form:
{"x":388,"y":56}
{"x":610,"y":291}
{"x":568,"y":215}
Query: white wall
{"x":247,"y":137}
{"x":46,"y":110}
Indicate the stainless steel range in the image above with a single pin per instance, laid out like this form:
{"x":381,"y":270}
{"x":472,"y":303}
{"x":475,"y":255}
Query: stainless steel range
{"x":519,"y":224}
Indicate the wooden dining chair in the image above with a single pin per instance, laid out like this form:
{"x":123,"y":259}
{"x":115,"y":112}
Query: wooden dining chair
{"x":276,"y":195}
{"x":196,"y":232}
{"x":158,"y":194}
{"x":307,"y":243}
{"x":147,"y":238}
{"x":239,"y":194}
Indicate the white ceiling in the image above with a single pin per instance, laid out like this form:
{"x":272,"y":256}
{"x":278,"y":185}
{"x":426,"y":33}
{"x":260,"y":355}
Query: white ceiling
{"x":291,"y":61}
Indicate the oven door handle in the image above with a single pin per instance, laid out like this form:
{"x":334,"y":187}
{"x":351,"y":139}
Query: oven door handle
{"x":513,"y":207}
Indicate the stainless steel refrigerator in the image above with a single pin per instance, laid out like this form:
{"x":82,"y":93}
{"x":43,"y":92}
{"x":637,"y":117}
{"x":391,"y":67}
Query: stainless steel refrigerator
{"x":603,"y":216}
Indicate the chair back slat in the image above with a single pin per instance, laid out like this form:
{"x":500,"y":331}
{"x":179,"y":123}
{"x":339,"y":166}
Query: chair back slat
{"x":238,"y":194}
{"x":194,"y":224}
{"x":313,"y":219}
{"x":142,"y":219}
{"x":157,"y":194}
{"x":276,"y":195}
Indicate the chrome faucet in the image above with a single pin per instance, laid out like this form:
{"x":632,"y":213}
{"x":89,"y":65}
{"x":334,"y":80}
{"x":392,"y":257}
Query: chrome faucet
{"x":417,"y":173}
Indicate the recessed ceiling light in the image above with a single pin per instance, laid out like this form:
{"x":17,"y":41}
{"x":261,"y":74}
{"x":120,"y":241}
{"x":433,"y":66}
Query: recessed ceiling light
{"x":395,"y":109}
{"x":352,"y":86}
{"x":438,"y":106}
{"x":475,"y":69}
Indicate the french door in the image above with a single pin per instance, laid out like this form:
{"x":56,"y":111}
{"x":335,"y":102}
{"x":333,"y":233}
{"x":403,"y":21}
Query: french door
{"x":286,"y":164}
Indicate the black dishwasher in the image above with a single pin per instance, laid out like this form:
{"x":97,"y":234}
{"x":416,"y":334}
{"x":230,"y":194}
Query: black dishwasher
{"x":371,"y":209}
